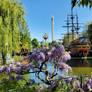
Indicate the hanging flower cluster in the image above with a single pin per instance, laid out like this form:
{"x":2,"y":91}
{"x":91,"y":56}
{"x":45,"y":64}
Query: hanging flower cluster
{"x":38,"y":62}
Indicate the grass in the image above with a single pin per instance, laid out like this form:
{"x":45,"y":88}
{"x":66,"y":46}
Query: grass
{"x":81,"y":57}
{"x":82,"y":70}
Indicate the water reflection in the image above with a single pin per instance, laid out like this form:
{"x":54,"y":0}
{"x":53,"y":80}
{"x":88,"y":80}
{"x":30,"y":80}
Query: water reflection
{"x":81,"y":66}
{"x":80,"y":62}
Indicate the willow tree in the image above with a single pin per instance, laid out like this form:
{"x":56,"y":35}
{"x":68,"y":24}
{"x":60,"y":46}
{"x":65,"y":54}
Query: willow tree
{"x":25,"y":40}
{"x":12,"y":21}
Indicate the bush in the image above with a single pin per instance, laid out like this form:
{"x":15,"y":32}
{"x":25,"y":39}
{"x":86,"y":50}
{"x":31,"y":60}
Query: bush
{"x":18,"y":58}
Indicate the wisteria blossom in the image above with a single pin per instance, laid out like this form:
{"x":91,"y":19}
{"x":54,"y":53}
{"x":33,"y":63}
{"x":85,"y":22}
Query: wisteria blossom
{"x":38,"y":62}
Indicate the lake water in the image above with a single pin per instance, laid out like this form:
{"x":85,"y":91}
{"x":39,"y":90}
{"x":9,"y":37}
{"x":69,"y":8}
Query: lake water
{"x":81,"y":66}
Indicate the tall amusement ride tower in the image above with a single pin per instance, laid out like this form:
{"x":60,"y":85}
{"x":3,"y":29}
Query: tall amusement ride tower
{"x":52,"y":20}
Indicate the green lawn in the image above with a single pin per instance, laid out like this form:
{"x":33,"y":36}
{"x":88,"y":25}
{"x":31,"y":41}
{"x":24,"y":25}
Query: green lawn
{"x":82,"y":70}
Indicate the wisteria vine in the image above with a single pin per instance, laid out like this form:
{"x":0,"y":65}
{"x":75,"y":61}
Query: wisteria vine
{"x":38,"y":62}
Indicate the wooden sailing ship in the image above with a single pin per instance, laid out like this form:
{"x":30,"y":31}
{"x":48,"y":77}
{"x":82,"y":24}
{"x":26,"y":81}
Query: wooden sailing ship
{"x":80,"y":46}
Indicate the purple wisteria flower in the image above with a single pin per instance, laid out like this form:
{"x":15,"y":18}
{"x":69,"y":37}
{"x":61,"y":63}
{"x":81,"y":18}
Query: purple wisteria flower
{"x":42,"y":56}
{"x":66,"y":56}
{"x":68,"y":80}
{"x":38,"y":63}
{"x":12,"y":78}
{"x":32,"y":81}
{"x":30,"y":66}
{"x":17,"y":70}
{"x":19,"y":64}
{"x":53,"y":84}
{"x":49,"y":54}
{"x":64,"y":67}
{"x":19,"y":77}
{"x":2,"y":69}
{"x":57,"y":50}
{"x":87,"y":85}
{"x":8,"y":70}
{"x":76,"y":84}
{"x":61,"y":76}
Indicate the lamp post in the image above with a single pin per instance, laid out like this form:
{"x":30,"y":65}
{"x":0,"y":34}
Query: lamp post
{"x":45,"y":38}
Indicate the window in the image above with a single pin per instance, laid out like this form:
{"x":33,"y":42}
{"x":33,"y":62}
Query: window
{"x":84,"y":40}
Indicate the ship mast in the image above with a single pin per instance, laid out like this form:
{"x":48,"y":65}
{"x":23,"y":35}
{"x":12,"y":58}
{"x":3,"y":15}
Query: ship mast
{"x":72,"y":24}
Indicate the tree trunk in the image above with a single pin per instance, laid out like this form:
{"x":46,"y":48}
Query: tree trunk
{"x":4,"y":57}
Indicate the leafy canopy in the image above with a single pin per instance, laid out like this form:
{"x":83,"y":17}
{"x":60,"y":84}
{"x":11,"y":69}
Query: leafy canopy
{"x":13,"y":27}
{"x":82,"y":2}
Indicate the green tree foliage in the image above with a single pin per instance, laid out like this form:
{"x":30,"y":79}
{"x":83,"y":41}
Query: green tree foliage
{"x":84,"y":34}
{"x":35,"y":43}
{"x":12,"y":23}
{"x":52,"y":43}
{"x":67,"y":39}
{"x":82,"y":2}
{"x":89,"y":31}
{"x":25,"y":41}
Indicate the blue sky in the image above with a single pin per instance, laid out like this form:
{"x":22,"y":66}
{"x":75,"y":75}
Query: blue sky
{"x":39,"y":13}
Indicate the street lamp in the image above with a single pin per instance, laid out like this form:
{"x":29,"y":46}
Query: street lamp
{"x":45,"y":37}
